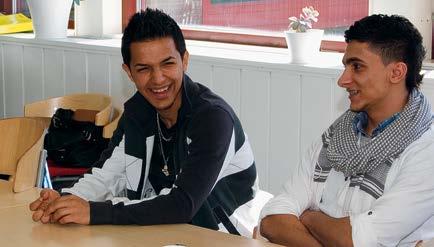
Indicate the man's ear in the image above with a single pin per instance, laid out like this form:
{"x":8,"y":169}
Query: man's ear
{"x":185,"y":59}
{"x":399,"y":72}
{"x":127,"y":70}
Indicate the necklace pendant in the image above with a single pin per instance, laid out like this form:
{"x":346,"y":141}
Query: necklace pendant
{"x":165,"y":171}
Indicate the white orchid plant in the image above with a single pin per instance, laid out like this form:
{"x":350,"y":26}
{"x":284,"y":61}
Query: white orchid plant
{"x":302,"y":24}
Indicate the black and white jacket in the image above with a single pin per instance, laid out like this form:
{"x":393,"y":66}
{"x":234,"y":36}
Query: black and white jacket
{"x":217,"y":169}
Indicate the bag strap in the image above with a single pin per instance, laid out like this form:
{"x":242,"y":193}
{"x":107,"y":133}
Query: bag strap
{"x":221,"y":215}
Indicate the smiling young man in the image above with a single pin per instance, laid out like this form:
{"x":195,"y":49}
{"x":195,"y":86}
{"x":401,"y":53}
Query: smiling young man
{"x":369,"y":180}
{"x":179,"y":154}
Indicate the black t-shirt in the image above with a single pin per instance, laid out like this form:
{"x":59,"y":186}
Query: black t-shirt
{"x":156,"y":175}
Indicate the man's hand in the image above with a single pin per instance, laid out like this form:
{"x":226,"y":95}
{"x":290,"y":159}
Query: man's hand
{"x":69,"y":209}
{"x":39,"y":206}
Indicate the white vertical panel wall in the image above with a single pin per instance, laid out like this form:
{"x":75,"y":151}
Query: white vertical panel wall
{"x":13,"y":79}
{"x":282,"y":107}
{"x":75,"y":72}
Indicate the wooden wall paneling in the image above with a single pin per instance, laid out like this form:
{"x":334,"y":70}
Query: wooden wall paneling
{"x":54,"y":78}
{"x":255,"y":109}
{"x":98,"y":73}
{"x":33,"y":74}
{"x":121,"y":88}
{"x":200,"y":72}
{"x":75,"y":71}
{"x":227,"y":83}
{"x":316,"y":108}
{"x":284,"y":147}
{"x":13,"y":79}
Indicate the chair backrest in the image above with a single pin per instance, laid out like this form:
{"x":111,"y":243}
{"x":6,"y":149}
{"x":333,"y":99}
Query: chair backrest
{"x":20,"y":147}
{"x":107,"y":131}
{"x":96,"y":102}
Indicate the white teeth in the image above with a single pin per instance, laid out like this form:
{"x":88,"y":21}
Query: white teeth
{"x":160,"y":90}
{"x":353,"y":92}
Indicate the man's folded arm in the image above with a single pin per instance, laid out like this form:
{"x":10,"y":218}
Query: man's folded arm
{"x":286,"y":229}
{"x":327,"y":230}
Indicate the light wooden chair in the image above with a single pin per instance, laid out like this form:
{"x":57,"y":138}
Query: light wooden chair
{"x":95,"y":108}
{"x":99,"y":103}
{"x":20,"y":148}
{"x":107,"y":131}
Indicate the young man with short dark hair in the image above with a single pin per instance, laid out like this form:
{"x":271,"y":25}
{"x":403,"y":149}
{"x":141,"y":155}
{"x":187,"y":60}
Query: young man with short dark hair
{"x":369,"y":180}
{"x":179,"y":154}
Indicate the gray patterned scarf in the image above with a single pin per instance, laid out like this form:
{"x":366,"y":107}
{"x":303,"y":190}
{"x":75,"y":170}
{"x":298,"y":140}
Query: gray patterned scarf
{"x":345,"y":156}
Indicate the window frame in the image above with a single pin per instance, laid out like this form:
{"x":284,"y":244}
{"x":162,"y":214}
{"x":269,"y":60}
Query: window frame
{"x":129,"y":8}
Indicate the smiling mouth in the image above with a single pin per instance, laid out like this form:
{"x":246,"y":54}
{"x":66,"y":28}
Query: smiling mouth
{"x":160,"y":90}
{"x":353,"y":92}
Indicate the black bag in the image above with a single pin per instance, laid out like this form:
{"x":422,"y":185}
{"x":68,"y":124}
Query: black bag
{"x":73,"y":143}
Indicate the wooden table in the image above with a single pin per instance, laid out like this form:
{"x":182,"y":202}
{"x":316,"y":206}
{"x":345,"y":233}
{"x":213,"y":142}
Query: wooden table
{"x":18,"y":229}
{"x":11,"y":199}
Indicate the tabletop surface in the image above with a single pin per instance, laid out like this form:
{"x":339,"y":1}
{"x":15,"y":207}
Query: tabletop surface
{"x":10,"y":199}
{"x":18,"y":229}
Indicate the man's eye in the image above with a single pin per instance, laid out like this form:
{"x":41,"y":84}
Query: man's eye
{"x":356,"y":66}
{"x":142,"y":69}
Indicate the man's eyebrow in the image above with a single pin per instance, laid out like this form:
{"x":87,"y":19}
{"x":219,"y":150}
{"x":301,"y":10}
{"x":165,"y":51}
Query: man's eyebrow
{"x":351,"y":60}
{"x":167,"y":59}
{"x":140,"y":65}
{"x":164,"y":60}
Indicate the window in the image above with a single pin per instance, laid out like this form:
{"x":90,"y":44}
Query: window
{"x":8,"y":7}
{"x":257,"y":21}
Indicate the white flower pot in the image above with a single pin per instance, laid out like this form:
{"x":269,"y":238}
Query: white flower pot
{"x":98,"y":18}
{"x":50,"y":18}
{"x":303,"y":47}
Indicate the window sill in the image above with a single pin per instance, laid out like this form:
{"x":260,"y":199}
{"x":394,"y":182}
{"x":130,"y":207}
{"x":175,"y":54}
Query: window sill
{"x":207,"y":52}
{"x":267,"y":57}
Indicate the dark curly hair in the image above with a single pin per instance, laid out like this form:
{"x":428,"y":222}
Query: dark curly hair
{"x":147,"y":25}
{"x":395,"y":39}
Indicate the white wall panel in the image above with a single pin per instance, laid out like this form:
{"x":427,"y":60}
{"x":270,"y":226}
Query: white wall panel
{"x":227,"y":83}
{"x":121,"y":88}
{"x":283,"y":108}
{"x":13,"y":76}
{"x":200,"y":72}
{"x":428,"y":90}
{"x":75,"y":72}
{"x":284,"y":128}
{"x":98,"y":73}
{"x":316,"y":108}
{"x":54,"y":81}
{"x":255,"y":108}
{"x":33,"y":74}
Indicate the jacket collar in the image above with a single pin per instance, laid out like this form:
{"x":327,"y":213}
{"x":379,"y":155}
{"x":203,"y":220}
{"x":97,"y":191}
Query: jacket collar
{"x":138,"y":108}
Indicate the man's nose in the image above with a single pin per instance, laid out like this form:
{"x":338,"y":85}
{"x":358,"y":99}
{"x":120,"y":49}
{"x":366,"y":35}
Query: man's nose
{"x":157,"y":75}
{"x":345,"y":79}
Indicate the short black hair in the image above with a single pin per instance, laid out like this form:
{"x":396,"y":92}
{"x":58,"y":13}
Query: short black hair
{"x":150,"y":24}
{"x":395,"y":39}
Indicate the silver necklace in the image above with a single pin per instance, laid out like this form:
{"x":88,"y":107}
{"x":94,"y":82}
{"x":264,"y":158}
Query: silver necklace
{"x":165,"y":168}
{"x":168,"y":139}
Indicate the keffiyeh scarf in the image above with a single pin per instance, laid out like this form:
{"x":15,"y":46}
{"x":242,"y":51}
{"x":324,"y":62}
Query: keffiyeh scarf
{"x":369,"y":163}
